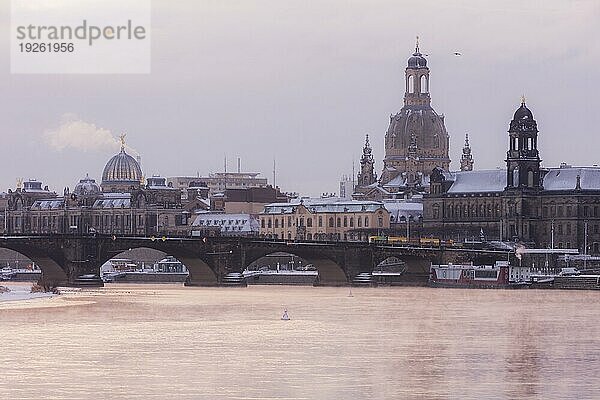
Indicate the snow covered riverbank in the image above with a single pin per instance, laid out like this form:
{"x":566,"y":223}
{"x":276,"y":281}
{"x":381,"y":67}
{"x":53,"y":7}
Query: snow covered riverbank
{"x":20,"y":291}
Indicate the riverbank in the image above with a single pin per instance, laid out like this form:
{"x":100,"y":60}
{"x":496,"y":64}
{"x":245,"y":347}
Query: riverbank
{"x":18,"y":291}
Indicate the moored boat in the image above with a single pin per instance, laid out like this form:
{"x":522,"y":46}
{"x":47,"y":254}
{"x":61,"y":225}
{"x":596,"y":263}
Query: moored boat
{"x":281,"y":277}
{"x":470,"y":276}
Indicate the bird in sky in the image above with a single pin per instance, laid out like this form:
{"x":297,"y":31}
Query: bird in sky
{"x":456,"y":53}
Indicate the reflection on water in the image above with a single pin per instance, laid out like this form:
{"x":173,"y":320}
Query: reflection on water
{"x":156,"y":342}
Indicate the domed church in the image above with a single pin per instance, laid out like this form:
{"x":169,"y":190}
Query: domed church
{"x":416,"y":141}
{"x":122,"y":172}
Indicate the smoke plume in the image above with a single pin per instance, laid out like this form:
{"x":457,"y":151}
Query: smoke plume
{"x":74,"y":133}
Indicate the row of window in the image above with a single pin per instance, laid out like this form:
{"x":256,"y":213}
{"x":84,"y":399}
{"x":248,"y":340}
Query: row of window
{"x":353,"y":236}
{"x":566,"y":228}
{"x":557,"y":211}
{"x":424,"y":84}
{"x":465,"y":211}
{"x":339,"y":222}
{"x":217,"y":222}
{"x":100,"y":222}
{"x":488,"y":211}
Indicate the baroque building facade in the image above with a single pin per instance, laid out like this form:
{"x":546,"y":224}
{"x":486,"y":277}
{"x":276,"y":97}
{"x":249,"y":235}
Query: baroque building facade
{"x":124,"y":203}
{"x":543,"y":207}
{"x":324,"y":219}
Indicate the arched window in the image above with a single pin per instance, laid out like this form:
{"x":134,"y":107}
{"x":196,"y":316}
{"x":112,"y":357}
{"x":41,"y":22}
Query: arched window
{"x":345,"y":222}
{"x":269,"y":224}
{"x":530,"y":178}
{"x":424,"y":84}
{"x":276,"y":223}
{"x":309,"y":222}
{"x":410,"y":86}
{"x":331,"y":222}
{"x":351,"y":222}
{"x":366,"y":222}
{"x":339,"y":222}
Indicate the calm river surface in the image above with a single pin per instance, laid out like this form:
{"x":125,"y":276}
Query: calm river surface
{"x":158,"y":342}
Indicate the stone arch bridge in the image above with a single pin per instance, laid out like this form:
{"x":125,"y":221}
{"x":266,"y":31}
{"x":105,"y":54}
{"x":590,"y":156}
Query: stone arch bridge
{"x":73,"y":259}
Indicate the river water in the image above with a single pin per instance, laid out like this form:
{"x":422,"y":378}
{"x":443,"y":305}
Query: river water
{"x":162,"y":341}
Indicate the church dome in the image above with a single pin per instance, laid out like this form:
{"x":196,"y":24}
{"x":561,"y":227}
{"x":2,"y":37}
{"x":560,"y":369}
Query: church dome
{"x":87,"y":186}
{"x":523,"y":112}
{"x":421,"y":125}
{"x":122,"y":168}
{"x":417,"y":61}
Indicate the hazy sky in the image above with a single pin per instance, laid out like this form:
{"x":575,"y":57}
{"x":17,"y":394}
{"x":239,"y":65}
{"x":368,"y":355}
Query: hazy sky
{"x":303,"y":81}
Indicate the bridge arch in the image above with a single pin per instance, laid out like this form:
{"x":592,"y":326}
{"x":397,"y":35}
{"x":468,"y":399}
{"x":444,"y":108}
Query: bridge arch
{"x":200,"y":271}
{"x":414,"y":267}
{"x":53,"y":274}
{"x":330,"y":271}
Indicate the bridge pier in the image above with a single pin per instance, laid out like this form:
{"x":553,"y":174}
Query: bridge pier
{"x":83,"y":274}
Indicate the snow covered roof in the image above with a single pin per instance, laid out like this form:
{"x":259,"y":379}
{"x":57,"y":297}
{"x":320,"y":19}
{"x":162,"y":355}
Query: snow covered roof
{"x":484,"y":181}
{"x":556,"y":179}
{"x":116,"y":195}
{"x":565,"y":178}
{"x":400,"y":181}
{"x":50,"y":204}
{"x":229,"y":223}
{"x":112,"y":203}
{"x":396,"y":182}
{"x":327,"y":205}
{"x":406,"y":209}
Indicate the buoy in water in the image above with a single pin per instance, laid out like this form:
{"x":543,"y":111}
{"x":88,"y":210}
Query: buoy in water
{"x":285,"y":316}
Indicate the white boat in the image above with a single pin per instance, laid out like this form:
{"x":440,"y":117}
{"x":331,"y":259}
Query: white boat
{"x":281,"y":276}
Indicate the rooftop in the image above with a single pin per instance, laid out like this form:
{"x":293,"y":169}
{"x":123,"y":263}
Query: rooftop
{"x":328,"y":205}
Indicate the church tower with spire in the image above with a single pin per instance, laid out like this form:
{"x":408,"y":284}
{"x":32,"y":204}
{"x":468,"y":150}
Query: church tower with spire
{"x":523,"y":158}
{"x":416,"y":141}
{"x":466,"y":160}
{"x":367,"y":175}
